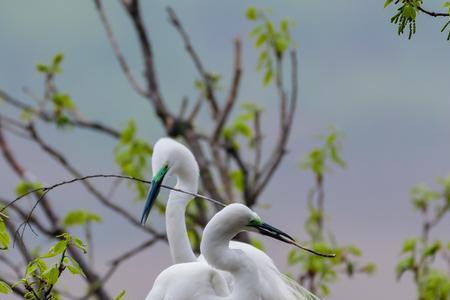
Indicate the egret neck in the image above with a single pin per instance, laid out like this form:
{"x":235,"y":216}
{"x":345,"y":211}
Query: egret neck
{"x":180,"y":246}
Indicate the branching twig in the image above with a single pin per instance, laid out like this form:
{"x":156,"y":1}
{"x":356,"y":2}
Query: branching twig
{"x":48,"y":117}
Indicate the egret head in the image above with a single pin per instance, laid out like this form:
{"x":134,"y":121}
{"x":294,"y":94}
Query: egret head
{"x":238,"y":217}
{"x":171,"y":158}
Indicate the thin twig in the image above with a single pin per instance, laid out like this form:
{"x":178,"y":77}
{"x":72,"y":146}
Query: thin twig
{"x":196,"y":109}
{"x":51,"y":187}
{"x":133,"y":9}
{"x":120,"y":57}
{"x":196,"y":59}
{"x":232,"y":96}
{"x":286,"y":125}
{"x":48,"y":117}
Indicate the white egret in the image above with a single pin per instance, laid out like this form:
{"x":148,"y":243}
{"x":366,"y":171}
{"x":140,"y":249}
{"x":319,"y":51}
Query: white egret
{"x":172,"y":158}
{"x":194,"y":280}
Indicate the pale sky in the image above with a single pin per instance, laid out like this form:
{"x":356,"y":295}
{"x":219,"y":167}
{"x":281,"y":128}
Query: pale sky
{"x":387,"y":94}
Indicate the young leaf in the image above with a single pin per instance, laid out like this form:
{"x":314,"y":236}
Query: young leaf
{"x":120,"y":295}
{"x":5,"y":288}
{"x":251,"y":13}
{"x":4,"y":236}
{"x":387,"y":3}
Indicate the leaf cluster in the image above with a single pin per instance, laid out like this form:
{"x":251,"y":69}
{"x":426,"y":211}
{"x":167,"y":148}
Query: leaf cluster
{"x":62,"y":103}
{"x":132,"y":156}
{"x":44,"y":272}
{"x":407,"y":13}
{"x":318,"y":272}
{"x":418,"y":254}
{"x":271,"y":41}
{"x":318,"y":160}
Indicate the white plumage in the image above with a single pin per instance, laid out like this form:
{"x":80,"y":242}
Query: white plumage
{"x":180,"y":162}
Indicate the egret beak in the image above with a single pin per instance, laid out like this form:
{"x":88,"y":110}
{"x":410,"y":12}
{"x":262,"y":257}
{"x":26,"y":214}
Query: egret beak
{"x":155,"y":186}
{"x":269,"y":230}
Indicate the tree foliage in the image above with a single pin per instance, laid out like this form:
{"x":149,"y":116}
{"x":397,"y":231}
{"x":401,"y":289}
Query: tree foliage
{"x":419,"y":253}
{"x":408,"y":11}
{"x":317,"y":273}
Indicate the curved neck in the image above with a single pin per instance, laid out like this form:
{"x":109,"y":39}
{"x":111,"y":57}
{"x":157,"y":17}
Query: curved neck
{"x":215,"y":248}
{"x":180,"y":246}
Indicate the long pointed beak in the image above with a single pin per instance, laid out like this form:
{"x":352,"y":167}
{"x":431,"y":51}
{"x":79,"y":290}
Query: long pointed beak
{"x":155,"y":186}
{"x":271,"y":231}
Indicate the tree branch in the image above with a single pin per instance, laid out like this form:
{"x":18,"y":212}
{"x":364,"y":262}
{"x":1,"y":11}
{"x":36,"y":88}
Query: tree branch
{"x":47,"y":117}
{"x":132,"y":7}
{"x":232,"y":96}
{"x":197,"y":62}
{"x":123,"y":64}
{"x":285,"y":124}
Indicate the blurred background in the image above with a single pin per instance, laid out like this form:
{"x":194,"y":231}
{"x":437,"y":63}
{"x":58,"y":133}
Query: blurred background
{"x":388,"y":95}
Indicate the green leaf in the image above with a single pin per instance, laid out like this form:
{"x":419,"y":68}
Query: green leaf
{"x":80,"y":217}
{"x":284,"y":25}
{"x":4,"y":236}
{"x":257,"y":244}
{"x":63,"y":100}
{"x":42,"y":68}
{"x":409,"y":12}
{"x":387,"y":3}
{"x":404,"y":265}
{"x":5,"y":288}
{"x":354,"y":250}
{"x":26,"y":186}
{"x":260,"y":40}
{"x":56,"y":249}
{"x":128,"y":133}
{"x":409,"y":245}
{"x":51,"y":275}
{"x":281,"y":43}
{"x":57,"y":59}
{"x":370,"y":268}
{"x":256,"y":31}
{"x":120,"y":295}
{"x":238,"y":179}
{"x":251,"y":13}
{"x":74,"y":268}
{"x":325,"y":289}
{"x":80,"y":244}
{"x":432,"y":249}
{"x":294,"y":257}
{"x":267,"y":77}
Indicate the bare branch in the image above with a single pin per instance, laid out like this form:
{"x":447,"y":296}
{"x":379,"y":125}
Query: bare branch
{"x":132,"y":7}
{"x":258,"y":145}
{"x":196,"y":59}
{"x":428,"y":12}
{"x":285,"y":124}
{"x":183,"y":107}
{"x":232,"y":96}
{"x":196,"y":109}
{"x":123,"y":64}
